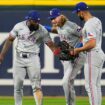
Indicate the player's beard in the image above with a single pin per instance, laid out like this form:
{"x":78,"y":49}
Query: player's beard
{"x":81,"y":18}
{"x":33,"y":27}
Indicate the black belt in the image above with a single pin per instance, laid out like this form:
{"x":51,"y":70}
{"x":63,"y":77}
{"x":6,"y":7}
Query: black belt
{"x":26,"y":55}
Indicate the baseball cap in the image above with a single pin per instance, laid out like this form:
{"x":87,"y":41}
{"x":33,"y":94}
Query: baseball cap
{"x":55,"y":12}
{"x":34,"y":15}
{"x":82,"y":6}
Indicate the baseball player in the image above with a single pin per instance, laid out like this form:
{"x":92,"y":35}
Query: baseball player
{"x":71,"y":33}
{"x":92,"y":39}
{"x":30,"y":34}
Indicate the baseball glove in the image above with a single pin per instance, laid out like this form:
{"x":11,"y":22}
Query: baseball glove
{"x":65,"y":51}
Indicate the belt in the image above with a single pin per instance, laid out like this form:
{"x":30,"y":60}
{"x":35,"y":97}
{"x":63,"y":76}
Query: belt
{"x":26,"y":54}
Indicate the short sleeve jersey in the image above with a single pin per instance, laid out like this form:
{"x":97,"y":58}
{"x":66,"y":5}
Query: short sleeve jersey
{"x":70,"y":32}
{"x":93,"y":29}
{"x":28,"y":41}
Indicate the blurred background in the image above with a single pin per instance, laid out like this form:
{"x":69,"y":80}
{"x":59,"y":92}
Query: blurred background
{"x":13,"y":11}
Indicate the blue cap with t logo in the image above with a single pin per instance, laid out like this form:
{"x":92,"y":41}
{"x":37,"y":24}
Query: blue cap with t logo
{"x":33,"y":15}
{"x":55,"y":12}
{"x":80,"y":7}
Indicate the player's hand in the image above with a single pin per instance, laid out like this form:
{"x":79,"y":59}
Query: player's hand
{"x":1,"y":58}
{"x":75,"y":52}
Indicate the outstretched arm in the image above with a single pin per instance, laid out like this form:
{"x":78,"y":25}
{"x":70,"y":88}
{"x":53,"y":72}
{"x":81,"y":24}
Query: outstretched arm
{"x":6,"y":46}
{"x":52,"y":29}
{"x":55,"y":49}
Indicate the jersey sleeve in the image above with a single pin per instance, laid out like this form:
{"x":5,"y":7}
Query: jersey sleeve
{"x":46,"y":37}
{"x":72,"y":30}
{"x":14,"y":31}
{"x":90,"y":32}
{"x":77,"y":30}
{"x":65,"y":32}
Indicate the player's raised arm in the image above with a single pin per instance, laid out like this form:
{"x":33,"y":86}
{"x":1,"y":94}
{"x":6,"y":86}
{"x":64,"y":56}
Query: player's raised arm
{"x":52,"y":29}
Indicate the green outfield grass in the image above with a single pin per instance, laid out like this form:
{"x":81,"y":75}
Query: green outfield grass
{"x":47,"y":101}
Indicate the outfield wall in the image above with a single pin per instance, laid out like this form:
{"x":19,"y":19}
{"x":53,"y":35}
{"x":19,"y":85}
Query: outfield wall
{"x":52,"y":72}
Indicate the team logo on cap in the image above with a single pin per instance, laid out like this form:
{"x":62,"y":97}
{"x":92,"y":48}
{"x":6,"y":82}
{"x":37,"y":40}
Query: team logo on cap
{"x":51,"y":12}
{"x":38,"y":18}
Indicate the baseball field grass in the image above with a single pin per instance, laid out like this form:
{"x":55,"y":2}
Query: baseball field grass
{"x":47,"y":101}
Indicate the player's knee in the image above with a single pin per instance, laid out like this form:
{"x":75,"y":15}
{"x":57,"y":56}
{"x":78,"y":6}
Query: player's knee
{"x":67,"y":82}
{"x":72,"y":81}
{"x":36,"y":86}
{"x":64,"y":82}
{"x":18,"y":90}
{"x":87,"y":87}
{"x":18,"y":83}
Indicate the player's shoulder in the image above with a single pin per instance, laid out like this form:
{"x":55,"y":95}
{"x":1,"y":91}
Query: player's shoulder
{"x":96,"y":19}
{"x":72,"y":24}
{"x":42,"y":28}
{"x":93,"y":21}
{"x":20,"y":24}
